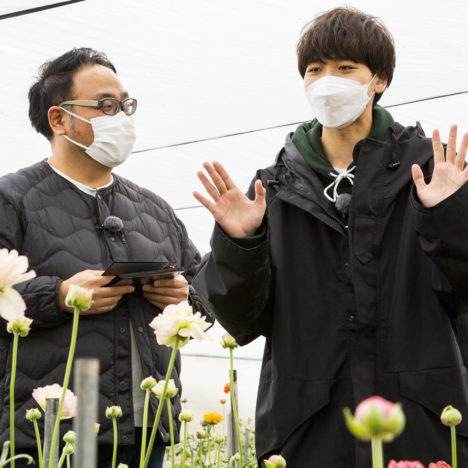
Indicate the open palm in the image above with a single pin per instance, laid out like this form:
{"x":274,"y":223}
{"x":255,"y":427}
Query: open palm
{"x":233,"y":211}
{"x":449,"y":173}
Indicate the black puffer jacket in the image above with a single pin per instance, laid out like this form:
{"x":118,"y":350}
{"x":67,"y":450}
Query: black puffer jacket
{"x":54,"y":224}
{"x":378,"y":308}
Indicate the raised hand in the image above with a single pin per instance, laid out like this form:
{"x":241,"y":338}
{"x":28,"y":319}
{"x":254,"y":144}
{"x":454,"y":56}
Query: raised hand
{"x":233,"y":211}
{"x":448,"y":175}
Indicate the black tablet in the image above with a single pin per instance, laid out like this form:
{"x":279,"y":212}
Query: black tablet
{"x":139,"y":270}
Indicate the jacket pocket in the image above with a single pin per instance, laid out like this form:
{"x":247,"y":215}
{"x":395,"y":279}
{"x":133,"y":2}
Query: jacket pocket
{"x":436,"y":388}
{"x":282,"y":406}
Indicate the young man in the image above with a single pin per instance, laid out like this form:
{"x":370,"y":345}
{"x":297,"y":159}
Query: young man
{"x":350,"y":256}
{"x":72,"y":217}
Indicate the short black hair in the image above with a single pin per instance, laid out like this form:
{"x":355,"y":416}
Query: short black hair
{"x":348,"y":34}
{"x":54,"y":83}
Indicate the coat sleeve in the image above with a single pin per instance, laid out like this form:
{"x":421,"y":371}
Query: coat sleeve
{"x":443,"y":235}
{"x":40,"y":294}
{"x":235,"y":277}
{"x":190,"y":262}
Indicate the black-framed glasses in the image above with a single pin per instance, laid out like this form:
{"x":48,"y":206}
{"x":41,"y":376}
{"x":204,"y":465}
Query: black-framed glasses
{"x":110,"y":106}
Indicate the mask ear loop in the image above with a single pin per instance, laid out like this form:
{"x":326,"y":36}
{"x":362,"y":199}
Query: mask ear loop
{"x":78,"y":117}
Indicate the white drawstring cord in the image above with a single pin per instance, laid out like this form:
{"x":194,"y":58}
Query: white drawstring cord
{"x":346,"y":174}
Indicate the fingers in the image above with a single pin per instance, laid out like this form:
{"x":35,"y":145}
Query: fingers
{"x":418,"y":177}
{"x":437,"y":148}
{"x":452,"y":145}
{"x":460,"y":159}
{"x":209,"y":187}
{"x":260,"y":192}
{"x":224,"y":175}
{"x":205,"y":202}
{"x":215,"y":177}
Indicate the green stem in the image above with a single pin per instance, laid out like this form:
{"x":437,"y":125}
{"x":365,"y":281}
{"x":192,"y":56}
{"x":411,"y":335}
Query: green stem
{"x":171,"y":430}
{"x":145,"y":426}
{"x":200,"y":452}
{"x":68,"y":461}
{"x":114,"y":450}
{"x":185,"y":444}
{"x":234,"y":408}
{"x":71,"y":352}
{"x":208,"y":448}
{"x":39,"y":445}
{"x":160,"y":405}
{"x":218,"y":455}
{"x":377,"y":455}
{"x":62,"y":459}
{"x":454,"y":446}
{"x":12,"y":397}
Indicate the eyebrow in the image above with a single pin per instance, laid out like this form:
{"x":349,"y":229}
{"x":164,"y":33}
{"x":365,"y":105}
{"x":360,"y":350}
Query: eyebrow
{"x":99,"y":96}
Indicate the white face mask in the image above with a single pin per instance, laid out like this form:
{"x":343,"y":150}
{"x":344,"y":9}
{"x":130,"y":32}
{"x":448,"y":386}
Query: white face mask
{"x":337,"y":102}
{"x":114,"y":137}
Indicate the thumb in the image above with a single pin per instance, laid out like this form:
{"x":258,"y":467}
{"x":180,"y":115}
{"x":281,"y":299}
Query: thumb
{"x":418,"y":177}
{"x":260,"y":192}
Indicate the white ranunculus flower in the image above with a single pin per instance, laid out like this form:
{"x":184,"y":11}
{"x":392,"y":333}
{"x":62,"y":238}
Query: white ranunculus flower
{"x":40,"y":394}
{"x":171,"y":390}
{"x":12,"y":271}
{"x":178,"y":320}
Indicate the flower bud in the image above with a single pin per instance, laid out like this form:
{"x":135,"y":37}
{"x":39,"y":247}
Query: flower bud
{"x":201,"y":434}
{"x":171,"y":390}
{"x":218,"y":438}
{"x":113,"y":412}
{"x":227,"y":387}
{"x":97,"y":426}
{"x":185,"y":415}
{"x":122,"y":465}
{"x":33,"y":414}
{"x":375,"y":417}
{"x":222,"y":401}
{"x":80,"y":298}
{"x":228,"y":341}
{"x":405,"y":464}
{"x":183,"y":400}
{"x":148,"y":383}
{"x":275,"y":461}
{"x":70,"y":437}
{"x":68,"y":449}
{"x":450,"y":416}
{"x":20,"y":325}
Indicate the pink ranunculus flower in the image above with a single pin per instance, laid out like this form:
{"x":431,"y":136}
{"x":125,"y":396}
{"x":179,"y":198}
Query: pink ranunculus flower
{"x":12,"y":271}
{"x":55,"y":391}
{"x":405,"y":464}
{"x":376,"y":417}
{"x":439,"y":464}
{"x":178,"y":320}
{"x":275,"y":461}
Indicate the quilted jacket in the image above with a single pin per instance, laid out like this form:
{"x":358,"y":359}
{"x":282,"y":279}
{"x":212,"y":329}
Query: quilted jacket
{"x":53,"y":223}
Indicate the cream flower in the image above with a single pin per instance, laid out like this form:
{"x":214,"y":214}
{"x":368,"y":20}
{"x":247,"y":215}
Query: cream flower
{"x":171,"y":390}
{"x":178,"y":321}
{"x":82,"y":298}
{"x":40,"y":394}
{"x":12,"y":271}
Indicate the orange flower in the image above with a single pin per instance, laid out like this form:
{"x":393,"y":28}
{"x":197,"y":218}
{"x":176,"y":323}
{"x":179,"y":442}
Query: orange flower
{"x":212,"y":418}
{"x":227,"y":388}
{"x":222,"y":401}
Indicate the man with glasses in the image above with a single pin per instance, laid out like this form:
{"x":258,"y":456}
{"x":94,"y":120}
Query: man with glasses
{"x":72,"y":217}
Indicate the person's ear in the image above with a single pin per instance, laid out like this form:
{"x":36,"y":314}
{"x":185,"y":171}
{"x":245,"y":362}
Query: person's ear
{"x":380,"y":84}
{"x":57,"y":119}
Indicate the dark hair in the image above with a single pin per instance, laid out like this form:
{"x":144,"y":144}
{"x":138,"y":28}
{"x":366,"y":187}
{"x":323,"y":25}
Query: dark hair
{"x":54,"y":84}
{"x":348,"y":34}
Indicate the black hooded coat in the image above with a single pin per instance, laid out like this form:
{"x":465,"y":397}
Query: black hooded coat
{"x":378,"y":308}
